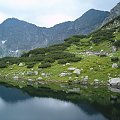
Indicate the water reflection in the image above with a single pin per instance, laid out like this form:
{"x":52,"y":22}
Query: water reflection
{"x":44,"y":109}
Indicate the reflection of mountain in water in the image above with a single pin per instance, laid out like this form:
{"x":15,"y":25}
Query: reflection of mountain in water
{"x":12,"y":94}
{"x":92,"y":106}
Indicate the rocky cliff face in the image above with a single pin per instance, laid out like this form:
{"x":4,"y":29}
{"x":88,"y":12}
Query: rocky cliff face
{"x":115,"y":12}
{"x":20,"y":35}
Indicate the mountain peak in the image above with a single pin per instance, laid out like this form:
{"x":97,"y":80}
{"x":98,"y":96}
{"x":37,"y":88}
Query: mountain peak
{"x":115,"y":12}
{"x":12,"y":22}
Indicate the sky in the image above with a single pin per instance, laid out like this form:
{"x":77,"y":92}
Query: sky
{"x":47,"y":13}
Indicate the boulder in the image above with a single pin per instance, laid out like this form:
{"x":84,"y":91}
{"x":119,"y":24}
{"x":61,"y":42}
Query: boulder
{"x":77,"y":71}
{"x":85,"y":78}
{"x":114,"y":89}
{"x":74,"y":90}
{"x":71,"y":69}
{"x":21,"y":64}
{"x":43,"y":74}
{"x":68,"y":64}
{"x":39,"y":78}
{"x":31,"y":80}
{"x":96,"y":81}
{"x":64,"y":74}
{"x":115,"y":82}
{"x":36,"y":72}
{"x":15,"y":77}
{"x":30,"y":73}
{"x":91,"y":69}
{"x":114,"y":65}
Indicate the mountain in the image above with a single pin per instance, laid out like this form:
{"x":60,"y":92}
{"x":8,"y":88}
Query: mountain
{"x":16,"y":35}
{"x":113,"y":14}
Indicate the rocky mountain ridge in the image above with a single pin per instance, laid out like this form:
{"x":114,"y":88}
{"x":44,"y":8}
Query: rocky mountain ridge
{"x":20,"y":35}
{"x":115,"y":12}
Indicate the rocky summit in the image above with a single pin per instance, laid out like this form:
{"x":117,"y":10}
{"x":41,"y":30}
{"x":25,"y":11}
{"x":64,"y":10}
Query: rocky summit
{"x":115,"y":12}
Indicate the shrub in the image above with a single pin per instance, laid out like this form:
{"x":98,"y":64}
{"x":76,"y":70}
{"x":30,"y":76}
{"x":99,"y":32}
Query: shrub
{"x":50,"y":60}
{"x":74,"y":59}
{"x":44,"y":65}
{"x":3,"y":65}
{"x":102,"y":35}
{"x":62,"y":61}
{"x":117,"y":43}
{"x":79,"y":36}
{"x":114,"y":59}
{"x":30,"y":65}
{"x":119,"y":65}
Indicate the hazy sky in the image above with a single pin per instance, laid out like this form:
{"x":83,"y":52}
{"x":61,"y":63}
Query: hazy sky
{"x":50,"y":12}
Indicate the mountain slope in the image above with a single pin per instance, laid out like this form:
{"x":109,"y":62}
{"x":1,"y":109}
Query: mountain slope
{"x":20,"y":35}
{"x":113,"y":14}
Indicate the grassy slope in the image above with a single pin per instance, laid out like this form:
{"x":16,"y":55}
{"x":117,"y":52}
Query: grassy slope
{"x":86,"y":63}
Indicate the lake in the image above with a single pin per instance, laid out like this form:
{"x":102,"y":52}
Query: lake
{"x":16,"y":104}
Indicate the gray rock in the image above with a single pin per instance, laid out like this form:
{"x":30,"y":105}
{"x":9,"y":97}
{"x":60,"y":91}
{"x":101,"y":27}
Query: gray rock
{"x":114,"y":82}
{"x":30,"y":73}
{"x":77,"y":71}
{"x":36,"y":72}
{"x":96,"y":82}
{"x":64,"y":74}
{"x":114,"y":89}
{"x":71,"y":68}
{"x":43,"y":74}
{"x":68,"y":64}
{"x":15,"y":77}
{"x":21,"y":64}
{"x":39,"y":78}
{"x":114,"y":65}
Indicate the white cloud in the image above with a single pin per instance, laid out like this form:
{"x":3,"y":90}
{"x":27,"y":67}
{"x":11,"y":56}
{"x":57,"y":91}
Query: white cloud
{"x":49,"y":12}
{"x":51,"y":20}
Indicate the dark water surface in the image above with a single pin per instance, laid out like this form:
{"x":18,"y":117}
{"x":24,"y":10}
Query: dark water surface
{"x":18,"y":105}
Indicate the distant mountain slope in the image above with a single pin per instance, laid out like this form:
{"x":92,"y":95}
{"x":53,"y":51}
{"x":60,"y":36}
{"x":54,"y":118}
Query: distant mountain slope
{"x":20,"y":35}
{"x":113,"y":13}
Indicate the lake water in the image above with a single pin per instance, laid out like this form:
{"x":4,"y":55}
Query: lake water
{"x":18,"y":105}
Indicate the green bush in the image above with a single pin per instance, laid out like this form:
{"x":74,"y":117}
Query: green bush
{"x":114,"y":59}
{"x":102,"y":35}
{"x":74,"y":59}
{"x":50,"y":60}
{"x":3,"y":65}
{"x":44,"y":65}
{"x":117,"y":43}
{"x":80,"y":36}
{"x":30,"y":65}
{"x":62,"y":61}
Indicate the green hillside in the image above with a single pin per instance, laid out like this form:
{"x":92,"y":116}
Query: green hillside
{"x":96,"y":56}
